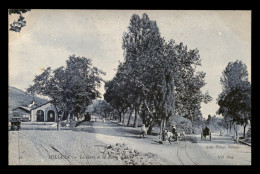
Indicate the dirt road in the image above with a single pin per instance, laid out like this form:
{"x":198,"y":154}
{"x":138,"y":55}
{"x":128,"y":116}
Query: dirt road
{"x":41,"y":144}
{"x":220,"y":151}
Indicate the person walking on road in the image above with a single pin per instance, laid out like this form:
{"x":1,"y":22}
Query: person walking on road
{"x":144,"y":131}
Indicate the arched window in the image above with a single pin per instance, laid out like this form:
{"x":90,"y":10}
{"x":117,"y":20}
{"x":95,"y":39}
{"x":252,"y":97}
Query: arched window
{"x":51,"y":116}
{"x":40,"y":115}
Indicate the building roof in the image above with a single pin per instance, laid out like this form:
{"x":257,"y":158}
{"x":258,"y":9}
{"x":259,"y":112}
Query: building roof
{"x":41,"y":105}
{"x":27,"y":109}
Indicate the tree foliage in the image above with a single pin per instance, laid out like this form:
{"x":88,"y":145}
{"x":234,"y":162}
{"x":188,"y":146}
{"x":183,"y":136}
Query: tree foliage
{"x":157,"y":78}
{"x":71,"y":88}
{"x":103,"y":108}
{"x":188,"y":82}
{"x":235,"y":99}
{"x":16,"y":26}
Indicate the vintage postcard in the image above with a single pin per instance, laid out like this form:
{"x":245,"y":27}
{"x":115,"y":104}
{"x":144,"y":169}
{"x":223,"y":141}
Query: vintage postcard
{"x":129,"y":87}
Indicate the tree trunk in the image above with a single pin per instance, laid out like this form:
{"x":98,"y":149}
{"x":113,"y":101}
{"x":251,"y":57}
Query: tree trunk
{"x":136,"y":115}
{"x":58,"y":119}
{"x":192,"y":130}
{"x":149,"y":131}
{"x":68,"y":118}
{"x":164,"y":123}
{"x":230,"y":128}
{"x":244,"y":134}
{"x":235,"y":130}
{"x":123,"y":118}
{"x":120,"y":116}
{"x":130,"y":115}
{"x":161,"y":130}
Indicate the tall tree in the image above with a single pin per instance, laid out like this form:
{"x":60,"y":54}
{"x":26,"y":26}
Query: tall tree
{"x":139,"y":43}
{"x":71,"y":88}
{"x":235,"y":98}
{"x":188,"y":82}
{"x":150,"y":69}
{"x":116,"y":93}
{"x":158,"y":77}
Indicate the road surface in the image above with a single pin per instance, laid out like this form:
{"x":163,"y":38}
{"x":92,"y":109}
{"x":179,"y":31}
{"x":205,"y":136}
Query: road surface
{"x":42,"y":144}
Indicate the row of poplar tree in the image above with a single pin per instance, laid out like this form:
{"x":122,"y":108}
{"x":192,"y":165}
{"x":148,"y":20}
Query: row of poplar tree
{"x":157,"y":79}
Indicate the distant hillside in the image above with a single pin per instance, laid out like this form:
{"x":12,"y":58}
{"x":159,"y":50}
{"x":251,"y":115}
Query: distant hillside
{"x":17,"y":97}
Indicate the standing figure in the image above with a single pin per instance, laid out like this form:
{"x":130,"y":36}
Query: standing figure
{"x":164,"y":134}
{"x":221,"y":132}
{"x":144,"y":131}
{"x":236,"y":138}
{"x":168,"y":136}
{"x":174,"y":132}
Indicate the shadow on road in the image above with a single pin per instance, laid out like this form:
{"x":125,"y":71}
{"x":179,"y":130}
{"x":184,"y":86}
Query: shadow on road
{"x":216,"y":139}
{"x":111,"y":129}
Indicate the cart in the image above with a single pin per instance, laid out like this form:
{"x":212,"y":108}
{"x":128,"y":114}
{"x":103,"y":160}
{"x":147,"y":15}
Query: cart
{"x":15,"y":123}
{"x":205,"y":132}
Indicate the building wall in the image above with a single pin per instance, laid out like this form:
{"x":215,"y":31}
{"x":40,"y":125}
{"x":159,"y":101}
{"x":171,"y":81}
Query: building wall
{"x":21,"y":113}
{"x":45,"y":108}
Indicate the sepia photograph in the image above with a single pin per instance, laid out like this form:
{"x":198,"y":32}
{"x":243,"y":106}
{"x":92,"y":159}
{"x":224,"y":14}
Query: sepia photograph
{"x":129,"y":87}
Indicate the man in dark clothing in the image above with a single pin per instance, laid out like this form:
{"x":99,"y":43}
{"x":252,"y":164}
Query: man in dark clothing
{"x":174,"y":132}
{"x":206,"y":130}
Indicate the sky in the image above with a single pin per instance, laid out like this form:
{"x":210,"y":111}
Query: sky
{"x":51,"y":36}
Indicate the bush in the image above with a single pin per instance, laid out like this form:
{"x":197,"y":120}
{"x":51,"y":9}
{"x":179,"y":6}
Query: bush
{"x":182,"y":124}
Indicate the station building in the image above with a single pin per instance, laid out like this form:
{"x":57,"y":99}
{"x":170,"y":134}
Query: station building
{"x":42,"y":113}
